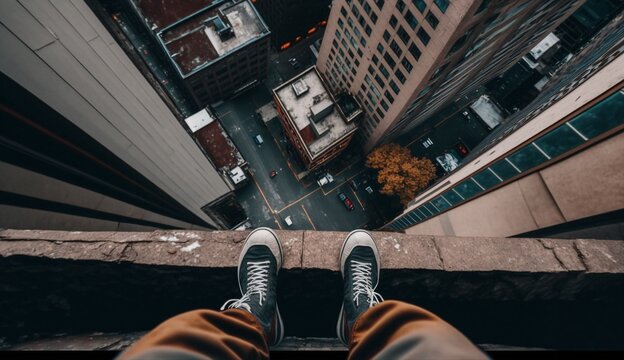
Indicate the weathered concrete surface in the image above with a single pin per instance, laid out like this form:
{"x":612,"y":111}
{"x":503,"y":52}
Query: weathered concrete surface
{"x":85,"y":282}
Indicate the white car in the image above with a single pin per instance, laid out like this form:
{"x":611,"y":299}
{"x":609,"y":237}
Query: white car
{"x":326,"y":179}
{"x":288,"y":221}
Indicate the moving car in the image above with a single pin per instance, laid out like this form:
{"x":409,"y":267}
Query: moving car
{"x":346,"y":201}
{"x":258,"y":139}
{"x":326,"y":179}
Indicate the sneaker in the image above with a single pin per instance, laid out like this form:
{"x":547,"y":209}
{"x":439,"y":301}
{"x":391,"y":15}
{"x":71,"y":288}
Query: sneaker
{"x":359,"y":265}
{"x":258,"y":266}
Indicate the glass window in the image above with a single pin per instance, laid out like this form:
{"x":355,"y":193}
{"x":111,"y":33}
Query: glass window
{"x":425,"y":211}
{"x":442,"y":4}
{"x":440,"y":203}
{"x":384,"y":71}
{"x":380,"y":48}
{"x":527,"y":157}
{"x":432,"y":20}
{"x":375,"y":59}
{"x":504,"y":169}
{"x":413,"y":49}
{"x":452,"y":197}
{"x":368,"y":30}
{"x":406,"y":64}
{"x":343,"y":11}
{"x":379,"y":80}
{"x":389,"y":60}
{"x":486,"y":179}
{"x":395,"y":48}
{"x":411,"y":19}
{"x":380,"y":3}
{"x":341,"y":23}
{"x":559,"y":141}
{"x":432,"y":209}
{"x":423,"y":36}
{"x":400,"y":76}
{"x":420,"y":5}
{"x":400,"y":5}
{"x":389,"y":96}
{"x":393,"y":21}
{"x":384,"y":105}
{"x":403,"y":35}
{"x":394,"y":87}
{"x":373,"y":17}
{"x":601,"y":117}
{"x":386,"y":35}
{"x":416,"y":215}
{"x":467,"y":188}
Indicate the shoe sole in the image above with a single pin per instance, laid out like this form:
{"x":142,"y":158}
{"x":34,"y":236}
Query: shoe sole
{"x":340,"y":328}
{"x":279,"y":323}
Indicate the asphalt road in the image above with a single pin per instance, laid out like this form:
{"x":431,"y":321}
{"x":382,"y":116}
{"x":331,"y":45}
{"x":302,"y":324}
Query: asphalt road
{"x":269,"y":200}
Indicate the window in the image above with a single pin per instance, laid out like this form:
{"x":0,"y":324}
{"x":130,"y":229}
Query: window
{"x":343,"y":11}
{"x":452,"y":197}
{"x":559,"y":141}
{"x":373,"y":17}
{"x":442,"y":4}
{"x":386,"y":35}
{"x":411,"y":19}
{"x":423,"y":36}
{"x":384,"y":105}
{"x":368,"y":30}
{"x":440,"y":203}
{"x":380,"y":48}
{"x":420,"y":5}
{"x":341,"y":23}
{"x":375,"y":59}
{"x":389,"y":60}
{"x":400,"y":76}
{"x":384,"y":71}
{"x":467,"y":188}
{"x":394,"y":87}
{"x":504,"y":169}
{"x":395,"y":48}
{"x":486,"y":178}
{"x":379,"y":81}
{"x":407,"y":65}
{"x":432,"y":20}
{"x":380,"y":3}
{"x":381,"y":114}
{"x":527,"y":157}
{"x":371,"y":70}
{"x":400,"y":5}
{"x":393,"y":21}
{"x":601,"y":117}
{"x":389,"y":96}
{"x":403,"y":35}
{"x":413,"y":49}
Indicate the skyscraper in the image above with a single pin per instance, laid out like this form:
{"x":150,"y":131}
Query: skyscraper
{"x":553,"y":169}
{"x":404,"y":60}
{"x":86,"y":142}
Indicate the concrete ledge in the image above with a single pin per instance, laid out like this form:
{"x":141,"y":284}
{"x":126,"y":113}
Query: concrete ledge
{"x":82,"y":282}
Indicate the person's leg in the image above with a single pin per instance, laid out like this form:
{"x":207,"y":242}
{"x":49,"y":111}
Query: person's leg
{"x":245,"y":330}
{"x":374,"y":328}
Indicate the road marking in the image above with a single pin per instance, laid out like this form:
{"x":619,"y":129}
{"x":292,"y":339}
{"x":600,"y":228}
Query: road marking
{"x":358,"y":199}
{"x":226,"y":113}
{"x":308,"y":216}
{"x":262,"y":193}
{"x":297,"y":201}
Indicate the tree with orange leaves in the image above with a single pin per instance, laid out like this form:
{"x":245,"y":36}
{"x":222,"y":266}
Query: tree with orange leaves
{"x":399,"y":173}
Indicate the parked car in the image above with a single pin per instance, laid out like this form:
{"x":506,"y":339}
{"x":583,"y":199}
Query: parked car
{"x":258,"y":139}
{"x":326,"y":179}
{"x":288,"y":221}
{"x":369,"y":189}
{"x":346,"y":201}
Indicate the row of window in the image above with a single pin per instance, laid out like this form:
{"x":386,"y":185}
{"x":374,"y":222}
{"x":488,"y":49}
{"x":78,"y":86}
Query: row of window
{"x":600,"y":118}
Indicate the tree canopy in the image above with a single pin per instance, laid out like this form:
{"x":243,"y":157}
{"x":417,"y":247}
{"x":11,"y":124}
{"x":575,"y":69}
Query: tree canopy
{"x":399,"y":173}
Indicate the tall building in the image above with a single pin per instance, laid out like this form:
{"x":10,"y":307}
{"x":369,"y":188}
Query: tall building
{"x":318,"y":125}
{"x":86,"y":143}
{"x":216,"y":47}
{"x":405,"y":60}
{"x":553,"y":169}
{"x":292,"y":20}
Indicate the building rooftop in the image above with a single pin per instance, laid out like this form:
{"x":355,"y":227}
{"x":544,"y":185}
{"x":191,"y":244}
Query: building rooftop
{"x":313,"y":111}
{"x":196,"y":33}
{"x":214,"y":140}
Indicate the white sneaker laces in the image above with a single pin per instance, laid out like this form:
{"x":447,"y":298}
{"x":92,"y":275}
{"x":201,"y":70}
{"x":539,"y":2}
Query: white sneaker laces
{"x":257,"y":283}
{"x":363,"y":283}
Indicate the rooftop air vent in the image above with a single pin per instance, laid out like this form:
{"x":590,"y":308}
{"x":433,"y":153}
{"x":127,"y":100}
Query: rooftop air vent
{"x":300,"y":87}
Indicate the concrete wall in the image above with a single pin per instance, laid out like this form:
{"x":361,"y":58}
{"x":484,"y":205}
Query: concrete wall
{"x":586,"y":184}
{"x":541,"y":292}
{"x":60,"y":52}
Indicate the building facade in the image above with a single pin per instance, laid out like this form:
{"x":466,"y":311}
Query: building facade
{"x":292,"y":20}
{"x":553,"y":169}
{"x":317,"y":124}
{"x":217,"y":47}
{"x":405,"y":60}
{"x":86,"y":142}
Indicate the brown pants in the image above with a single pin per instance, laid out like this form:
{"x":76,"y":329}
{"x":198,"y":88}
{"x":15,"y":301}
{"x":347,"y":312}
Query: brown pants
{"x":389,"y":330}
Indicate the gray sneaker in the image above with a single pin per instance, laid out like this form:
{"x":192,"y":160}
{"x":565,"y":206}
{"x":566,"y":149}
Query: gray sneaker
{"x":359,"y":265}
{"x":258,"y":266}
